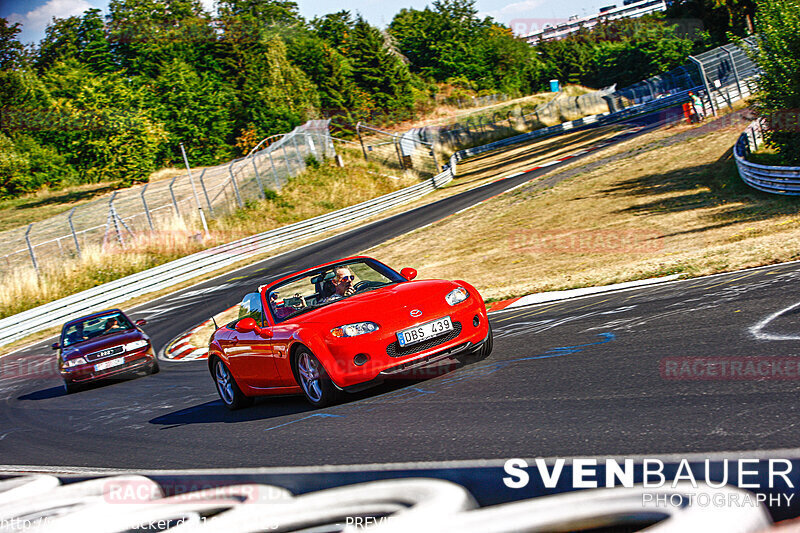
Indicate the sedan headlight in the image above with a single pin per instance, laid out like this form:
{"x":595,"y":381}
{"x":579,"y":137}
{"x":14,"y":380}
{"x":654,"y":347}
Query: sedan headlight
{"x":354,"y":330}
{"x":74,"y":362}
{"x":135,"y":345}
{"x":456,"y":296}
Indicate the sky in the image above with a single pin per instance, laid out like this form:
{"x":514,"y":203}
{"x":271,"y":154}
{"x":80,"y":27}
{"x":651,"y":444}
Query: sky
{"x":522,"y":16}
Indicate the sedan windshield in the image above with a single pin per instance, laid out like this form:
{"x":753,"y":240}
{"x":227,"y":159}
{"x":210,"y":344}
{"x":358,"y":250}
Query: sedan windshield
{"x":327,"y":286}
{"x":95,"y":327}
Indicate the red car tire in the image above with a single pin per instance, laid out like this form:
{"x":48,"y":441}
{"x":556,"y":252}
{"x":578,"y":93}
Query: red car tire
{"x":317,"y":386}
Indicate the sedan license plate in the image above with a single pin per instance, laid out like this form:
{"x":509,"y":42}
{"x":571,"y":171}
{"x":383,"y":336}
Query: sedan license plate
{"x":425,"y":331}
{"x":105,"y":365}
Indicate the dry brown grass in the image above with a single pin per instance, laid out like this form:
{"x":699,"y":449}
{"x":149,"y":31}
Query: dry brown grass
{"x":642,"y":209}
{"x":312,"y":193}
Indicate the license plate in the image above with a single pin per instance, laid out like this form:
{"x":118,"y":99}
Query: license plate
{"x":105,"y":365}
{"x":425,"y":331}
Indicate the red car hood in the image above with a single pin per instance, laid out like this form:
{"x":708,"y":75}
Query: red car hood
{"x":391,"y":302}
{"x":101,"y":343}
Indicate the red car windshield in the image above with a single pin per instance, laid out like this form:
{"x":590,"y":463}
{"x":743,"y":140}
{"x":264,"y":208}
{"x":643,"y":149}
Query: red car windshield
{"x":91,"y":328}
{"x":327,"y":286}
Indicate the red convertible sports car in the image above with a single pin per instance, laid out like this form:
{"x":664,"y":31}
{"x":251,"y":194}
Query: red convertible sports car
{"x":344,"y":326}
{"x":102,"y":345}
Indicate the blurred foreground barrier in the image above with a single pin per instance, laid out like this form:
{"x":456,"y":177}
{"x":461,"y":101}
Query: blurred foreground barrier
{"x":40,"y":503}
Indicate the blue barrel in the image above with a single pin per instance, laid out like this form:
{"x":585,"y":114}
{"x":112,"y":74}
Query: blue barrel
{"x":554,"y":86}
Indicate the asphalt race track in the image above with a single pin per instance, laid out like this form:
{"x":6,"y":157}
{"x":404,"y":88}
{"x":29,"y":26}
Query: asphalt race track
{"x":580,"y":377}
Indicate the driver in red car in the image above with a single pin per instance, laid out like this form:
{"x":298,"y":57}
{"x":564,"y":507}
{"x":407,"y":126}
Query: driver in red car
{"x":340,"y":285}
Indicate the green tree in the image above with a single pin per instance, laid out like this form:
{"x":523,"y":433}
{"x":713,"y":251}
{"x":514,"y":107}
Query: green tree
{"x":82,"y":38}
{"x":377,"y":68}
{"x":11,"y":50}
{"x":334,"y":28}
{"x":778,"y":55}
{"x":196,"y":109}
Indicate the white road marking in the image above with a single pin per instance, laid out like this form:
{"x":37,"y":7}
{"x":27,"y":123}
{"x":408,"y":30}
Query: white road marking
{"x":758,"y":330}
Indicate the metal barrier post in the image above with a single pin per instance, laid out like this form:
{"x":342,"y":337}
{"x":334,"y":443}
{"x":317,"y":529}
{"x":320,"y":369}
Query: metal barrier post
{"x":235,"y":187}
{"x":705,"y":83}
{"x":358,"y":131}
{"x":205,"y":192}
{"x":112,"y":214}
{"x":399,"y":153}
{"x":286,"y":160}
{"x":298,"y":152}
{"x":172,"y":193}
{"x":735,"y":72}
{"x":274,"y":170}
{"x":146,"y":210}
{"x":194,"y":191}
{"x":258,"y":179}
{"x":435,"y":160}
{"x":30,"y":248}
{"x":72,"y":229}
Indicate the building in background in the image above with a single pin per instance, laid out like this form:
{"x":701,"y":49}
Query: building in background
{"x":629,"y":9}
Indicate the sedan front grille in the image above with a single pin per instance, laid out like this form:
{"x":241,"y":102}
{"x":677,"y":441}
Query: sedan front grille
{"x":108,"y":352}
{"x":394,"y":349}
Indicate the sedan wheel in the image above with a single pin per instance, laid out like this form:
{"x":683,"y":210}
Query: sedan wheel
{"x":313,"y":379}
{"x":228,"y":390}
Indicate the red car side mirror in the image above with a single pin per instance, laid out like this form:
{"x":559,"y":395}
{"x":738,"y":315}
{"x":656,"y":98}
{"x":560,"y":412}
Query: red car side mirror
{"x":247,"y":325}
{"x":141,"y":322}
{"x":409,"y":273}
{"x":55,"y":346}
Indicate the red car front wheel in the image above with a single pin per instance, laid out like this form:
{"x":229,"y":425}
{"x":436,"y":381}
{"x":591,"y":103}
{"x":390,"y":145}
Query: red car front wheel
{"x":313,"y":379}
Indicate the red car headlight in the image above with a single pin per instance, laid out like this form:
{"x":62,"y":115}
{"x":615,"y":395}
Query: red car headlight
{"x":354,"y":330}
{"x":456,"y":296}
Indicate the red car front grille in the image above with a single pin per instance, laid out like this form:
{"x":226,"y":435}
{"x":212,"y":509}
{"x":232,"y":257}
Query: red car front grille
{"x":394,"y":349}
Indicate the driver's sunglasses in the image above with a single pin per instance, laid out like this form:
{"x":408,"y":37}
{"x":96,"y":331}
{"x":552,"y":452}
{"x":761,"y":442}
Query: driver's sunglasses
{"x":347,"y":278}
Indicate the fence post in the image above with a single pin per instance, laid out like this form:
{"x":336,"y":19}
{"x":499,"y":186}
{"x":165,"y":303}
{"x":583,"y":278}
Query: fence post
{"x":172,"y":193}
{"x":705,"y":83}
{"x":194,"y":191}
{"x":235,"y":187}
{"x":274,"y":171}
{"x":358,"y":131}
{"x":435,"y":160}
{"x":735,"y":72}
{"x":30,"y":248}
{"x":298,"y":152}
{"x":112,"y":215}
{"x":146,"y":210}
{"x":258,"y":178}
{"x":286,"y":160}
{"x":399,"y":152}
{"x":72,"y":229}
{"x":205,"y":192}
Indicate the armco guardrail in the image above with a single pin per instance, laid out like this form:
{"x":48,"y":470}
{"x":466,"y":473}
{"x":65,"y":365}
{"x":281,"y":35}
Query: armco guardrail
{"x":767,"y":178}
{"x":174,"y":272}
{"x":604,"y":118}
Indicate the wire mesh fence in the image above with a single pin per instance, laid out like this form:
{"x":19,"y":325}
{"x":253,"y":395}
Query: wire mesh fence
{"x":720,"y":76}
{"x":407,"y":151}
{"x":156,"y":206}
